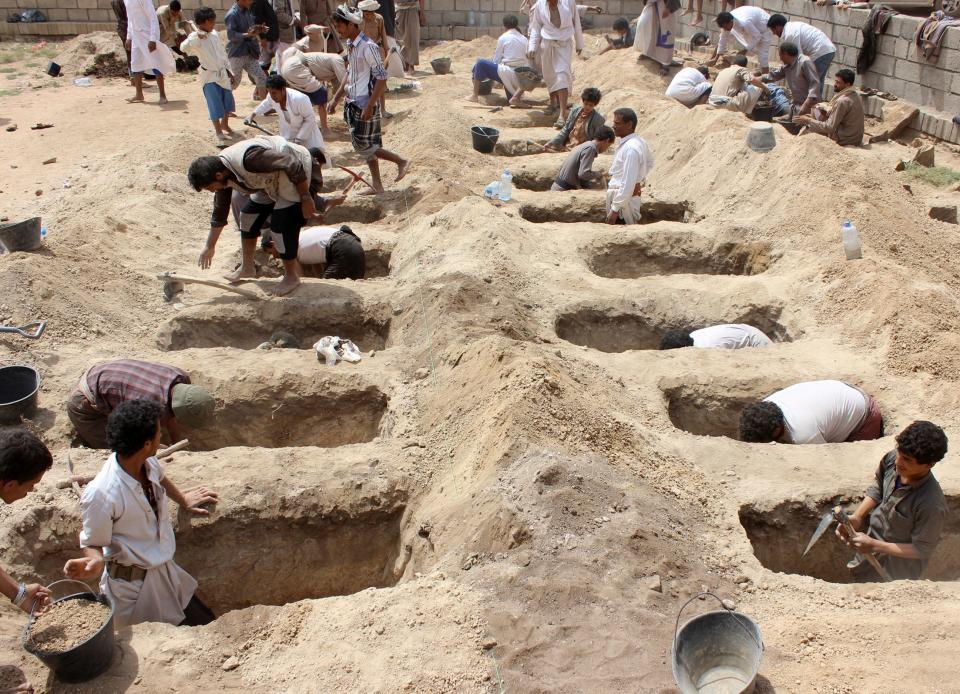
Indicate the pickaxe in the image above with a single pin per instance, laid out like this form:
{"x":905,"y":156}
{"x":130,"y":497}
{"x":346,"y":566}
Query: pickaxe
{"x":839,"y":515}
{"x":356,"y":177}
{"x":253,"y":124}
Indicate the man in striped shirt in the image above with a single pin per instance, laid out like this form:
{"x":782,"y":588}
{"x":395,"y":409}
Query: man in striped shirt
{"x":103,"y":387}
{"x":365,"y":83}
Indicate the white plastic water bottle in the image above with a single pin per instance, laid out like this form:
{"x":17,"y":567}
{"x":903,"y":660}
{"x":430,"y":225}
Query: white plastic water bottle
{"x":851,"y":240}
{"x":506,"y":186}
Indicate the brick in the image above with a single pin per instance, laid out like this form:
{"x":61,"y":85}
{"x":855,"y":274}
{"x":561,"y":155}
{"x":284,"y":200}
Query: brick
{"x":848,"y":36}
{"x":884,"y":65}
{"x":56,"y":14}
{"x":67,"y":4}
{"x":909,"y":91}
{"x":952,"y":39}
{"x":955,"y":85}
{"x":934,"y":78}
{"x":908,"y":26}
{"x":100,"y":15}
{"x":87,"y":4}
{"x":908,"y":70}
{"x":455,"y":18}
{"x":77,"y":15}
{"x":441,"y":5}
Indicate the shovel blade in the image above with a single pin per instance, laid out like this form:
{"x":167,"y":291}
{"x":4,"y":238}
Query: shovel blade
{"x":821,"y":528}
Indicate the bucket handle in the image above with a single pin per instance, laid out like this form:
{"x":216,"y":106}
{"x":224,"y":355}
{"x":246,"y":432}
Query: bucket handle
{"x":676,"y":626}
{"x":86,"y":588}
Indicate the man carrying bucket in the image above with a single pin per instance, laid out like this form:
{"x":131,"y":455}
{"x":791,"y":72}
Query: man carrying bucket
{"x":127,"y":536}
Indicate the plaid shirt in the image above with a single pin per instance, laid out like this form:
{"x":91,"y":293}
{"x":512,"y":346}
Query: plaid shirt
{"x":365,"y":70}
{"x":115,"y":382}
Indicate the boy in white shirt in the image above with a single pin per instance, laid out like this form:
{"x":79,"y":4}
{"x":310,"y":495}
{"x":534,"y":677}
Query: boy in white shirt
{"x":727,"y":336}
{"x":204,"y":43}
{"x":297,"y":122}
{"x":127,"y":536}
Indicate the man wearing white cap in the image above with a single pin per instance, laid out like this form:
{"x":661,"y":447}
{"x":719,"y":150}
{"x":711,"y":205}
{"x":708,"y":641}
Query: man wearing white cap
{"x":318,"y":13}
{"x":555,"y":31}
{"x":366,"y":82}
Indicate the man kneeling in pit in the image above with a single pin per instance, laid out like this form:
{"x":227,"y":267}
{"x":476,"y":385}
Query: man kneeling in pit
{"x":728,"y":336}
{"x":325,"y":252}
{"x":813,"y":412}
{"x":127,"y":536}
{"x":902,"y":516}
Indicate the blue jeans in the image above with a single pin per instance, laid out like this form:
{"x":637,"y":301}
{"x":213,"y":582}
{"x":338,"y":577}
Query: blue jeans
{"x":778,"y":99}
{"x":823,"y":64}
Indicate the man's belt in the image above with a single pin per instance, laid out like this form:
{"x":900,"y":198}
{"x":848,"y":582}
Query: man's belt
{"x":123,"y":572}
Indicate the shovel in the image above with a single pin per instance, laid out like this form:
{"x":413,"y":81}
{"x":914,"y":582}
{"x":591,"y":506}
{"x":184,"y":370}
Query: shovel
{"x":839,"y":515}
{"x":173,"y":285}
{"x":253,"y":124}
{"x":31,"y":331}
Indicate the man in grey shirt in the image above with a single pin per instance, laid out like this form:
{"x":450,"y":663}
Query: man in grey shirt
{"x":577,"y":170}
{"x":802,"y":78}
{"x":902,"y":516}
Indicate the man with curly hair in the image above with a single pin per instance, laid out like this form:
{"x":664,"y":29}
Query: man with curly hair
{"x":902,"y":516}
{"x":813,"y":412}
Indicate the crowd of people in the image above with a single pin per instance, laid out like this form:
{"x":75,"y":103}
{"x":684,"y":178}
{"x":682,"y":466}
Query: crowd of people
{"x":272,"y":186}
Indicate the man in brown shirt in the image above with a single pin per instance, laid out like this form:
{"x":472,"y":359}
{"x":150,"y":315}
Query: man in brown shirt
{"x":844,"y":121}
{"x":905,"y":509}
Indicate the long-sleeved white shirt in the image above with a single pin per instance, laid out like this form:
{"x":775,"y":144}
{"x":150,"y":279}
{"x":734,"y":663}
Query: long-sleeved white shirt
{"x":214,"y":65}
{"x":541,"y":28}
{"x":511,"y":49}
{"x":297,"y":122}
{"x":307,"y":71}
{"x":142,"y":22}
{"x":812,"y":42}
{"x":631,"y":165}
{"x":750,"y":30}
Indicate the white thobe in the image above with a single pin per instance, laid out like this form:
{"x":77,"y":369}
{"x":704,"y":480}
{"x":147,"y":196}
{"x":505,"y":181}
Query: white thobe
{"x":631,"y":165}
{"x":821,"y":411}
{"x":511,"y":52}
{"x":118,"y":518}
{"x":297,"y":121}
{"x":215,"y":67}
{"x":812,"y":42}
{"x":556,"y":43}
{"x":142,"y":28}
{"x":687,"y":86}
{"x":751,"y":32}
{"x":729,"y":336}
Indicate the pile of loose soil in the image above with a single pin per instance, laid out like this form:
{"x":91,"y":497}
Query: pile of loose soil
{"x":66,"y":625}
{"x":98,"y":54}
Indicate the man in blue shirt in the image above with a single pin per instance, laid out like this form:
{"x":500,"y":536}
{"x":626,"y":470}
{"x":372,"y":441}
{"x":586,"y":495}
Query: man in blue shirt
{"x":243,"y":47}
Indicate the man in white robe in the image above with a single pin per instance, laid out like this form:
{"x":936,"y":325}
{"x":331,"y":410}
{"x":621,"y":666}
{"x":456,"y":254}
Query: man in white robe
{"x":631,"y":166}
{"x":297,"y":122}
{"x":748,"y":26}
{"x":147,"y":52}
{"x":656,"y":30}
{"x":555,"y":31}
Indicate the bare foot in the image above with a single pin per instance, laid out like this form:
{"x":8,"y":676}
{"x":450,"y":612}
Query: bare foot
{"x":685,"y":12}
{"x":240,"y":274}
{"x":287,"y":285}
{"x":474,"y":99}
{"x":228,"y":131}
{"x":402,"y":169}
{"x":371,"y":191}
{"x":698,"y":19}
{"x":135,"y":99}
{"x":163,"y":100}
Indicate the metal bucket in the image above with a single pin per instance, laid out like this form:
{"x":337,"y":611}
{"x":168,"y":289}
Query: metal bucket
{"x":18,"y":392}
{"x":441,"y":66}
{"x":717,"y":652}
{"x":484,"y":138}
{"x":760,"y":137}
{"x":21,"y":236}
{"x":86,"y":660}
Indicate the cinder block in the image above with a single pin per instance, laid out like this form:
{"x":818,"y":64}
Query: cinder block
{"x":99,"y":15}
{"x":465,"y":5}
{"x":910,"y":91}
{"x":955,"y":85}
{"x":87,"y":4}
{"x":794,"y":8}
{"x":848,"y":36}
{"x":884,"y":65}
{"x":952,"y":39}
{"x":908,"y":26}
{"x":441,"y":5}
{"x":934,"y":78}
{"x":455,"y":18}
{"x":908,"y":70}
{"x":67,"y":4}
{"x":857,"y":18}
{"x":902,"y":48}
{"x":77,"y":15}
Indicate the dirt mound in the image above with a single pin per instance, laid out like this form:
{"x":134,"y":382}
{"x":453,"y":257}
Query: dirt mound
{"x":67,"y":624}
{"x":98,"y":54}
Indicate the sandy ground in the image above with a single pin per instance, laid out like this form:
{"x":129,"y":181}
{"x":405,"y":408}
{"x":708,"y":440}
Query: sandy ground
{"x":513,"y":491}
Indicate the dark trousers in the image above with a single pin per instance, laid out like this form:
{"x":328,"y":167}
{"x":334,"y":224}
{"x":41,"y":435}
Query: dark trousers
{"x":196,"y":614}
{"x":345,"y":258}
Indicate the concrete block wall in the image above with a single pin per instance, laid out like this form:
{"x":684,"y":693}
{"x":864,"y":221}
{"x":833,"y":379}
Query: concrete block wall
{"x":934,"y":87}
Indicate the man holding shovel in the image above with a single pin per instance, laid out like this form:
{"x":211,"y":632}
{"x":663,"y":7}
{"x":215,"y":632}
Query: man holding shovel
{"x":902,"y":516}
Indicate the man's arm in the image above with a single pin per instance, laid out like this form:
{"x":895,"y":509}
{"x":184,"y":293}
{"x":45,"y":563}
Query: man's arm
{"x":533,"y":43}
{"x":235,"y":32}
{"x":560,"y":139}
{"x":498,"y":54}
{"x":192,"y":499}
{"x":828,"y":127}
{"x":630,"y":176}
{"x":261,"y":160}
{"x":96,"y":513}
{"x":32,"y":593}
{"x":307,"y":123}
{"x":577,"y":31}
{"x":372,"y":55}
{"x":586,"y":172}
{"x":813,"y":90}
{"x":218,"y":220}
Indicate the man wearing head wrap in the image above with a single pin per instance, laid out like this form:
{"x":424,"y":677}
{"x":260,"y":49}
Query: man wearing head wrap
{"x":103,"y":387}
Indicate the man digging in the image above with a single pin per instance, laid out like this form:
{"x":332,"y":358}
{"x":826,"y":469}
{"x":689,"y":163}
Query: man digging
{"x":127,"y":536}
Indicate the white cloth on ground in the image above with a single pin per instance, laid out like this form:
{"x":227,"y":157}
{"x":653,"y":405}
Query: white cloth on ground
{"x":210,"y":51}
{"x":298,"y":124}
{"x":142,"y":28}
{"x":631,"y":165}
{"x":751,"y":32}
{"x":812,"y":42}
{"x":117,"y":517}
{"x":729,"y":336}
{"x":820,"y":411}
{"x":687,"y":86}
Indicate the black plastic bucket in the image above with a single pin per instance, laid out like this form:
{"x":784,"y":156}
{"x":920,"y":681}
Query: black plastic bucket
{"x":53,"y":69}
{"x":86,"y":660}
{"x":441,"y":66}
{"x":486,"y":87}
{"x":21,"y":236}
{"x":717,"y":652}
{"x":484,"y":138}
{"x":19,"y":386}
